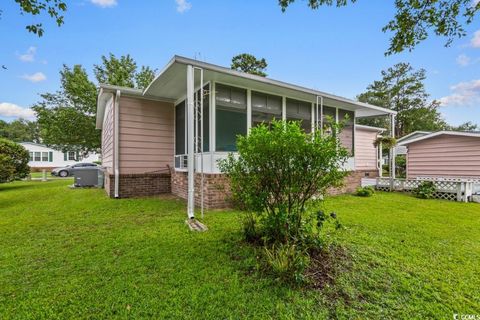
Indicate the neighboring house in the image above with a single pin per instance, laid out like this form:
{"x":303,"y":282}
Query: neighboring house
{"x":443,"y":154}
{"x":146,"y":144}
{"x":43,"y":157}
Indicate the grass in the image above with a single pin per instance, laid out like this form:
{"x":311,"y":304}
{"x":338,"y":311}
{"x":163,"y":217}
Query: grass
{"x":79,"y":254}
{"x":39,"y":175}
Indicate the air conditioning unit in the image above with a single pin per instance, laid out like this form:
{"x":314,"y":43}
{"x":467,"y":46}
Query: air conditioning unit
{"x":89,"y":177}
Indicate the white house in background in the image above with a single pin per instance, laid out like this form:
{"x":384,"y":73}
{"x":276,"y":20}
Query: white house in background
{"x":43,"y":157}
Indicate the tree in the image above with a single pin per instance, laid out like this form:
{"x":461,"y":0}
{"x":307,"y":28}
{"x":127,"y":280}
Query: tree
{"x":414,"y":20}
{"x":20,"y":130}
{"x":13,"y":161}
{"x":54,"y":8}
{"x":402,"y":89}
{"x":467,"y":126}
{"x":67,"y":117}
{"x":250,"y":64}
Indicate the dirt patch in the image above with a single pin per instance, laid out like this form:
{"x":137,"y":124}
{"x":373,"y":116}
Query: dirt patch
{"x":326,"y":265}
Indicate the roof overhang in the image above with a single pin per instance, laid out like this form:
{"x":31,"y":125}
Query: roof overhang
{"x":439,"y":133}
{"x":171,"y":84}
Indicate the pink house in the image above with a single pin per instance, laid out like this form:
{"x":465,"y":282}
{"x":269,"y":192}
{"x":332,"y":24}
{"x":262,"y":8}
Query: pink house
{"x":169,"y":137}
{"x":442,"y":154}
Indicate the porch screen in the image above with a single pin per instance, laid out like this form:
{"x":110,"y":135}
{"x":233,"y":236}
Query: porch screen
{"x":230,"y":116}
{"x":329,"y":117}
{"x":265,"y":108}
{"x":180,"y":128}
{"x":347,"y":134}
{"x":300,"y":111}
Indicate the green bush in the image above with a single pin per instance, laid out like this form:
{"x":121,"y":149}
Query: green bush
{"x":13,"y":161}
{"x":279,"y":177}
{"x":367,"y":191}
{"x":425,"y":190}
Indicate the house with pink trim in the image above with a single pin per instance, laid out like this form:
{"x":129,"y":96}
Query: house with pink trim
{"x":169,"y":137}
{"x":443,"y":154}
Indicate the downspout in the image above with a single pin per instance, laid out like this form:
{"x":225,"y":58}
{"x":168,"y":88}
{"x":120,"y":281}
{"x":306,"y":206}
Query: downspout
{"x":116,"y":143}
{"x":190,"y":144}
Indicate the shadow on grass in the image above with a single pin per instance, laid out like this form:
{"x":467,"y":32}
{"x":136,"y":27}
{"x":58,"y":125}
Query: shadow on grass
{"x":7,"y":187}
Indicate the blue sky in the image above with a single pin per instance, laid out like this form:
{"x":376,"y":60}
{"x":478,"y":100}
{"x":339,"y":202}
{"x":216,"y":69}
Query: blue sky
{"x":335,"y":50}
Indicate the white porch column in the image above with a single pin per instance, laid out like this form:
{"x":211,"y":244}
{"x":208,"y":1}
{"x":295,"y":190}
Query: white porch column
{"x":190,"y":143}
{"x":249,"y":110}
{"x":392,"y":152}
{"x":284,"y":108}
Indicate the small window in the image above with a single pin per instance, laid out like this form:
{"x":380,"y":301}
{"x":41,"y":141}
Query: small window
{"x":71,"y":155}
{"x":31,"y":156}
{"x":38,"y":156}
{"x":45,"y":156}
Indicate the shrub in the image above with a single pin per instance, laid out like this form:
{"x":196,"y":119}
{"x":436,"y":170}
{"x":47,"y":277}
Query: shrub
{"x":425,"y":190}
{"x":13,"y":161}
{"x":367,"y":191}
{"x":277,"y":174}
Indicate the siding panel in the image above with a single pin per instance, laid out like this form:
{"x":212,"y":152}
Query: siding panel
{"x":365,"y":151}
{"x":444,"y":156}
{"x":146,"y":135}
{"x":107,"y":138}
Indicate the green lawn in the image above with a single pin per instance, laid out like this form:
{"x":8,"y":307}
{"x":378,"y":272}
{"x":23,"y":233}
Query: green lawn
{"x":77,"y":254}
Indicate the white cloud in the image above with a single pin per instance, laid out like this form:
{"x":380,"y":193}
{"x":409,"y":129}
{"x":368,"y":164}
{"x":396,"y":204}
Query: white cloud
{"x":104,"y":3}
{"x":475,"y":42}
{"x":28,"y":56}
{"x":463,"y":60}
{"x":464,"y":94}
{"x":183,"y":5}
{"x":12,"y":110}
{"x":36,"y":77}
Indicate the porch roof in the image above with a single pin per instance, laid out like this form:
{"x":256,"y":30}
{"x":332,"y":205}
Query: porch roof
{"x":170,"y":85}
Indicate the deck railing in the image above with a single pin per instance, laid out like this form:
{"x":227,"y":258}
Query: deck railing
{"x":458,"y":189}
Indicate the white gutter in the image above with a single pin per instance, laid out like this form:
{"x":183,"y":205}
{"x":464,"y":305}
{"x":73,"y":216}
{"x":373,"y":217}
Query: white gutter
{"x":116,"y":142}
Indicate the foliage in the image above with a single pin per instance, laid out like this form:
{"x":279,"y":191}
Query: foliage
{"x":47,"y":247}
{"x":287,"y":262}
{"x":54,"y":8}
{"x":367,"y":191}
{"x":250,"y":64}
{"x":13,"y":161}
{"x":425,"y":190}
{"x":415,"y":20}
{"x":467,"y":126}
{"x":401,"y":166}
{"x":402,"y":89}
{"x":278,"y":172}
{"x":20,"y":130}
{"x":123,"y":72}
{"x":67,"y":117}
{"x":387,"y":142}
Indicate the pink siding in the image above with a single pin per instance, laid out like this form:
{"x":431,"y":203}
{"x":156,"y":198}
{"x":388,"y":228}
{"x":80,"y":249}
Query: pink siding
{"x":365,"y":151}
{"x":107,"y":138}
{"x":146,"y":135}
{"x":444,"y":155}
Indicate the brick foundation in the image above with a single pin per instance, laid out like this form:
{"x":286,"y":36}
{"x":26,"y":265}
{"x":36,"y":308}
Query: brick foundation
{"x":139,"y":185}
{"x":216,"y":188}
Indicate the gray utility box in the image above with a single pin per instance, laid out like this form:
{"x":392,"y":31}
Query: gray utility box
{"x":89,"y":177}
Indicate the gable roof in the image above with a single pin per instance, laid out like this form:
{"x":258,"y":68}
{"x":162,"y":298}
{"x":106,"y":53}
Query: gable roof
{"x":170,"y":85}
{"x":439,"y":133}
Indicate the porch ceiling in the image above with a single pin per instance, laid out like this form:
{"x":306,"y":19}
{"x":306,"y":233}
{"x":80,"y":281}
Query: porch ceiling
{"x":171,"y":84}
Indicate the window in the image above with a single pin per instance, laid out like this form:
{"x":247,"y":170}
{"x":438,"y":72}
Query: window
{"x":45,"y":156}
{"x":300,"y":111}
{"x":72,"y":155}
{"x":265,"y":108}
{"x":347,"y":134}
{"x":38,"y":156}
{"x":31,"y":155}
{"x":180,"y":126}
{"x":231,"y":116}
